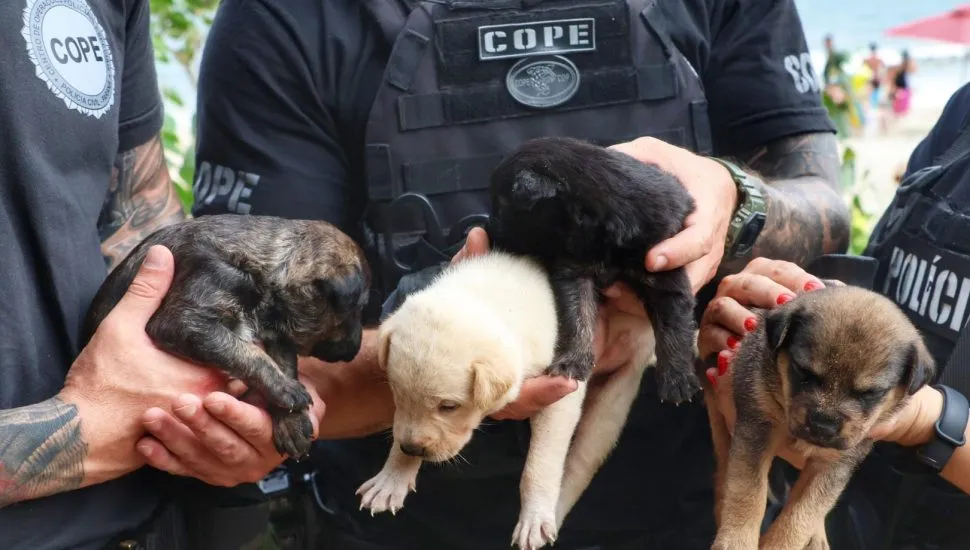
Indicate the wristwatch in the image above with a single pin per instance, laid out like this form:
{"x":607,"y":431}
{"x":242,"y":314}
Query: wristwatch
{"x":749,"y":215}
{"x":950,"y":430}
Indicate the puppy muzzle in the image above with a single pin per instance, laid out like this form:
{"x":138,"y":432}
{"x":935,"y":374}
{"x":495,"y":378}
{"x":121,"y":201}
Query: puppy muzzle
{"x":339,"y":351}
{"x":412,"y":449}
{"x":822,"y":430}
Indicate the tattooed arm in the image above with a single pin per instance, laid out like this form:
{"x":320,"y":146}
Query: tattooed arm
{"x":141,"y":199}
{"x":87,"y":433}
{"x":806,"y":214}
{"x":41,"y":451}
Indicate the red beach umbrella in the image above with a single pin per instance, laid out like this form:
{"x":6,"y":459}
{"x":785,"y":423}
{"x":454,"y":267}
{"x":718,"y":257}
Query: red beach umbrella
{"x":952,"y":26}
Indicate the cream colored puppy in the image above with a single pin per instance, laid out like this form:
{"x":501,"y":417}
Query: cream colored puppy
{"x":458,"y":351}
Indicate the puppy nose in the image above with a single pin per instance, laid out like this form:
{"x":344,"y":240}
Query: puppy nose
{"x":824,"y":424}
{"x":411,"y":449}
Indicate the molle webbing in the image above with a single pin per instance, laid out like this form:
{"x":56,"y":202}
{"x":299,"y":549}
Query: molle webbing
{"x":456,"y":175}
{"x":489,"y":102}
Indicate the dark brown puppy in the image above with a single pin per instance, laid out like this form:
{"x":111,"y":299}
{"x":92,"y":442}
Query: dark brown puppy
{"x":817,"y":374}
{"x":590,"y":215}
{"x":297,"y":287}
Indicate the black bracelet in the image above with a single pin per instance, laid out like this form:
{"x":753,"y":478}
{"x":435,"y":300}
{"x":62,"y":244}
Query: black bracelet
{"x":950,"y":430}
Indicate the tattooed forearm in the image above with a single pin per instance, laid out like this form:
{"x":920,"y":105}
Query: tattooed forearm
{"x":141,"y":199}
{"x":806,"y":214}
{"x":41,"y":451}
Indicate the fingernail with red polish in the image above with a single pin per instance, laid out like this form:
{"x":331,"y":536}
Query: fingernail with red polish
{"x":812,"y":285}
{"x":712,"y":378}
{"x":750,"y":324}
{"x":784,"y":299}
{"x":722,"y":364}
{"x":732,"y":342}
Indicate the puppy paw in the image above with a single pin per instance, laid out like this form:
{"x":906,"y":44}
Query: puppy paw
{"x":386,"y":491}
{"x":577,"y":366}
{"x":535,"y":529}
{"x":292,"y":397}
{"x":292,"y":434}
{"x":677,"y":385}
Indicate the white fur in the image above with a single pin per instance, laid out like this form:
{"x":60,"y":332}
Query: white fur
{"x":493,"y":318}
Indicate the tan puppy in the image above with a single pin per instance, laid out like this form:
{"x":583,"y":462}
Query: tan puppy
{"x":817,"y":374}
{"x":458,"y":351}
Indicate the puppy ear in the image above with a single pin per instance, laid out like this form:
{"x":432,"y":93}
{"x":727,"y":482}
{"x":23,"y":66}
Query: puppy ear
{"x":489,"y":383}
{"x":343,"y":292}
{"x":530,"y":187}
{"x":384,"y":344}
{"x":919,"y":367}
{"x":779,"y":325}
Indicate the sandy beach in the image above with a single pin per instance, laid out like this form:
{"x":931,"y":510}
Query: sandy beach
{"x":880,"y":157}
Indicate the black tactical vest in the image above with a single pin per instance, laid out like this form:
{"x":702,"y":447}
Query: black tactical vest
{"x":468,"y":81}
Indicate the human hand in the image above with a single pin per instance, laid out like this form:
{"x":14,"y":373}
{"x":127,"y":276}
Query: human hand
{"x":763,"y":283}
{"x":611,"y":352}
{"x":700,"y":246}
{"x":915,"y":424}
{"x":120,"y":372}
{"x":219,"y":439}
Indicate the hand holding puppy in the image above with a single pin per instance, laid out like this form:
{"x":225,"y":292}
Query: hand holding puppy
{"x":120,"y":372}
{"x":767,"y":284}
{"x":814,"y":378}
{"x":542,"y":391}
{"x":700,"y":246}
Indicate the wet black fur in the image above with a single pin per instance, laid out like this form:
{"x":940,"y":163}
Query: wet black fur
{"x":298,"y":287}
{"x":590,"y":215}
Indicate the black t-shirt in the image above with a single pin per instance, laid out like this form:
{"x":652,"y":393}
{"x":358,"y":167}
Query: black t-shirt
{"x":77,"y":84}
{"x":285,"y":91}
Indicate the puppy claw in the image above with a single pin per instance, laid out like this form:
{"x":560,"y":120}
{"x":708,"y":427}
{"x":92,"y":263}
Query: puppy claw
{"x":293,"y":397}
{"x":676,"y":386}
{"x":573,"y":368}
{"x":292,"y":434}
{"x":385,"y":492}
{"x":536,"y":529}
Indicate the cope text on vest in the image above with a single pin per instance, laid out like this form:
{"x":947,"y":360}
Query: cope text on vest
{"x":233,"y":186}
{"x":79,"y":49}
{"x":929,"y":287}
{"x":535,"y":38}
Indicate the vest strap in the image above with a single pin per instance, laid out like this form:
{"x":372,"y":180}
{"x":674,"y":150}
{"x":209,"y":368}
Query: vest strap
{"x":391,"y":15}
{"x":701,"y":125}
{"x":404,"y":59}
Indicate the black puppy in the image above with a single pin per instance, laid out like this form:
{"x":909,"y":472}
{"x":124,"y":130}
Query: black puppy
{"x":590,"y":215}
{"x":297,"y":287}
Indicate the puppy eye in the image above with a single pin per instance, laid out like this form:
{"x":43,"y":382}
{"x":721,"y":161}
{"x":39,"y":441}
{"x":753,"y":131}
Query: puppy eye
{"x":869,"y":396}
{"x":806,"y":378}
{"x":447,"y":406}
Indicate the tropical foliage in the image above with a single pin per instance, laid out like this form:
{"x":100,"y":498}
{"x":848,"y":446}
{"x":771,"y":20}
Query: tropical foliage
{"x":178,"y":33}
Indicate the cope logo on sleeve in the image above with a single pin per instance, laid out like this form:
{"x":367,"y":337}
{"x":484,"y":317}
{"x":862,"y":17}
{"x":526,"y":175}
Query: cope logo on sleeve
{"x":71,"y":53}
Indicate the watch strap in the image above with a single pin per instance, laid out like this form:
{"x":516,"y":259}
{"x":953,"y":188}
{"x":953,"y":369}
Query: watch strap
{"x":749,"y":214}
{"x":950,"y":429}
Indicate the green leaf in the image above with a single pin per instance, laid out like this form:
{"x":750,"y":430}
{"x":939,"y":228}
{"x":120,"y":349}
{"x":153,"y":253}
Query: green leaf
{"x":187,"y":171}
{"x":170,"y":138}
{"x":172,"y":95}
